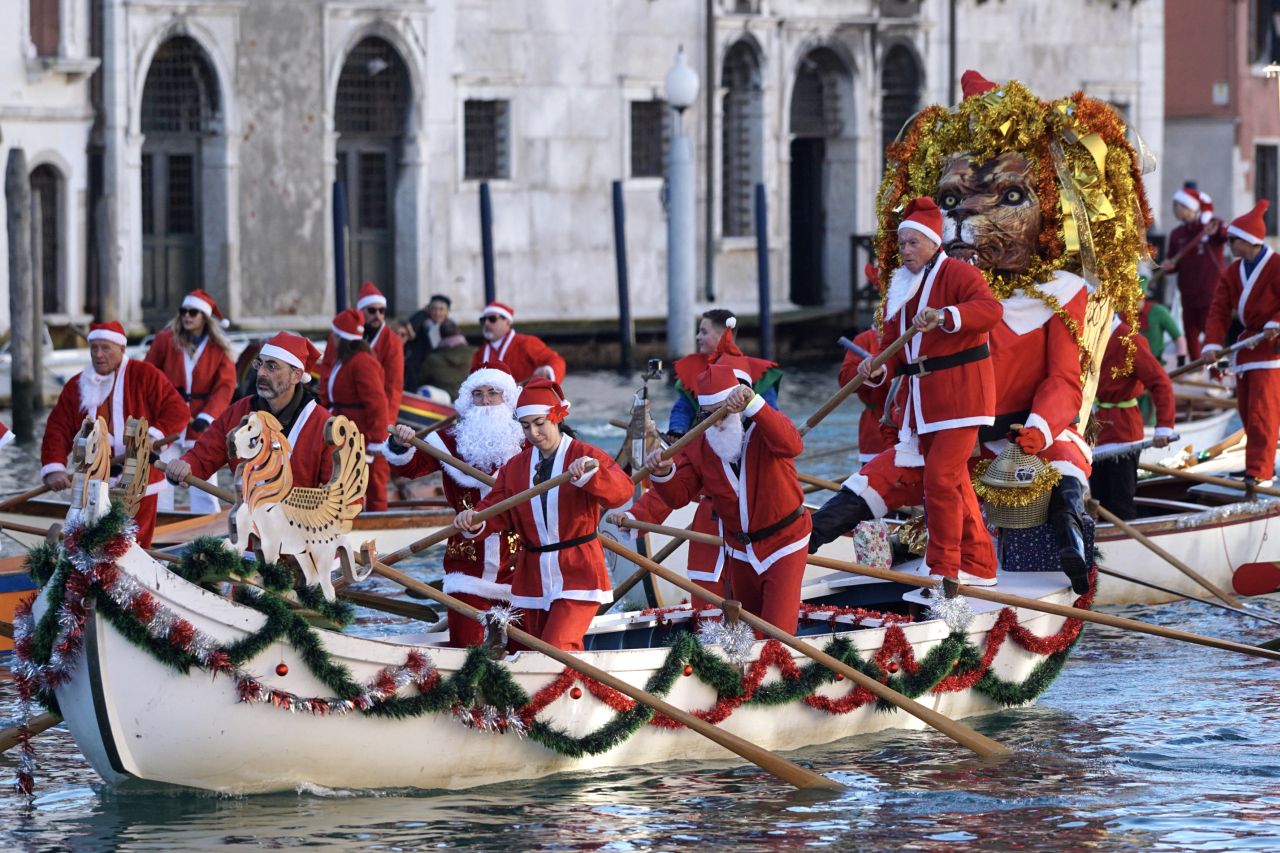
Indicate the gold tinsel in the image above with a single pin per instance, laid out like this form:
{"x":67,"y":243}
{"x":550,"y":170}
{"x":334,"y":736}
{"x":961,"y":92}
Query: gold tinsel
{"x":1088,"y":134}
{"x":1016,"y":496}
{"x":914,"y":536}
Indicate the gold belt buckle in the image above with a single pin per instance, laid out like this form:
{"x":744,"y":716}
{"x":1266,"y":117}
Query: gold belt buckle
{"x":920,"y":363}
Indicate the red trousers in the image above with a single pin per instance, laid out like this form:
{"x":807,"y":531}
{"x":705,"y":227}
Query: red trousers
{"x":1258,"y":399}
{"x":774,"y":596}
{"x":564,"y":625}
{"x":1193,"y":328}
{"x":145,"y":518}
{"x":958,"y":539}
{"x":464,"y":631}
{"x":375,"y":496}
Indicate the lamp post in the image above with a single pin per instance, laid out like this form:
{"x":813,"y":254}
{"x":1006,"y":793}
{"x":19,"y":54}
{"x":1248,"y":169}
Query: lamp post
{"x":681,"y":91}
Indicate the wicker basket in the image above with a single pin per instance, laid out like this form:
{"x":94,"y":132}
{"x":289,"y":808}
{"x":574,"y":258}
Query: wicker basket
{"x":1007,"y":481}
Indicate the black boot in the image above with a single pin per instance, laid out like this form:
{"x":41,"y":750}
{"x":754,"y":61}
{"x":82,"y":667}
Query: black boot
{"x":1066,"y":514}
{"x":839,"y":515}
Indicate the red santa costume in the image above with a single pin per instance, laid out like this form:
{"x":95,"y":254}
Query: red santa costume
{"x":477,"y":572}
{"x":950,"y":394}
{"x":354,"y":387}
{"x":303,"y":420}
{"x":5,"y":435}
{"x":1116,"y":407}
{"x":524,"y":354}
{"x":746,"y":466}
{"x":1251,"y":292}
{"x":135,"y":390}
{"x":560,"y":577}
{"x":871,"y":438}
{"x":206,"y":379}
{"x":1201,"y":266}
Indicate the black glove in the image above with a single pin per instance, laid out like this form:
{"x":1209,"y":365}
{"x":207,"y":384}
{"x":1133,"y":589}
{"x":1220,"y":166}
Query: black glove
{"x":197,"y":426}
{"x":1182,"y":360}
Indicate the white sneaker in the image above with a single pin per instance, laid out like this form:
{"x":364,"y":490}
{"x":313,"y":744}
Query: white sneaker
{"x":974,"y":580}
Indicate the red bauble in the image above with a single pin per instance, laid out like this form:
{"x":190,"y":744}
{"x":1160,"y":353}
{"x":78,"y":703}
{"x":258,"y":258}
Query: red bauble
{"x":893,"y":666}
{"x":282,"y":669}
{"x":688,"y":669}
{"x":575,"y":693}
{"x":839,"y":677}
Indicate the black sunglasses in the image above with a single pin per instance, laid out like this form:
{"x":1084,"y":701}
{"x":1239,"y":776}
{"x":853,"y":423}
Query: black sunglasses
{"x":490,"y":318}
{"x":190,"y":312}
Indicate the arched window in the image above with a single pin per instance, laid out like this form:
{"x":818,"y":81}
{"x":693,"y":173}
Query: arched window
{"x":46,"y":185}
{"x":900,"y":92}
{"x":370,"y":113}
{"x":742,"y":139}
{"x":180,"y":112}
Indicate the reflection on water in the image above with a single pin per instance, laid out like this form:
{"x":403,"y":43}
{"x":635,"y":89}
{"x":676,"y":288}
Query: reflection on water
{"x":1141,"y":743}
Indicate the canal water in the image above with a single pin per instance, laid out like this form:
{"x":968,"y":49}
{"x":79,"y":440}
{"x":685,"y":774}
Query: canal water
{"x":1140,"y":744}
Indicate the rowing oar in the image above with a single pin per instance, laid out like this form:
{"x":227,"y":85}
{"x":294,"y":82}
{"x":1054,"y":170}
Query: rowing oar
{"x":762,"y":758}
{"x":9,"y":737}
{"x":1220,"y":354}
{"x":497,"y":509}
{"x":201,"y":486}
{"x":397,"y":608}
{"x":820,"y":482}
{"x":853,"y":348}
{"x":685,"y":440}
{"x":822,"y":454}
{"x":856,"y":382}
{"x":162,"y":556}
{"x":1133,"y":533}
{"x":1169,"y":591}
{"x":1129,"y":448}
{"x":1207,"y":478}
{"x":960,"y":733}
{"x":449,"y":459}
{"x":638,"y":575}
{"x":991,"y":595}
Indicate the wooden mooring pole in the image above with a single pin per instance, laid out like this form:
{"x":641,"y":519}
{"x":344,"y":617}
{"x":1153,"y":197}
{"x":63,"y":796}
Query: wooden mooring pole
{"x":17,"y":195}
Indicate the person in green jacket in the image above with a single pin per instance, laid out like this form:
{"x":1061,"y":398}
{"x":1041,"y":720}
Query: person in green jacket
{"x":449,"y":364}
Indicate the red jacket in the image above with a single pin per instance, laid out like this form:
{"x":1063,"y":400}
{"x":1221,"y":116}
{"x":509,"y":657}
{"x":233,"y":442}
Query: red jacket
{"x":566,"y":512}
{"x":388,"y":351}
{"x":871,"y":435}
{"x":1257,"y":303}
{"x":522,"y":353}
{"x":1201,"y":267}
{"x":206,"y":379}
{"x":959,"y":396}
{"x":704,"y":562}
{"x":764,"y":492}
{"x":355,"y":388}
{"x":310,"y":460}
{"x":482,"y":567}
{"x":1117,"y":400}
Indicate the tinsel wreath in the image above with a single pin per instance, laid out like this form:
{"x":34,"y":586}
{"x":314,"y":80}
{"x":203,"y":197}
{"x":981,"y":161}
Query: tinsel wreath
{"x":1043,"y":483}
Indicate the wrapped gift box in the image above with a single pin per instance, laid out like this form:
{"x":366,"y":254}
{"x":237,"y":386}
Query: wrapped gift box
{"x":1035,"y":549}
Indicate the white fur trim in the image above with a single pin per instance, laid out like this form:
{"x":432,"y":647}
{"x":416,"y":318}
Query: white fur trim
{"x":1036,"y":422}
{"x":1187,"y":200}
{"x":455,"y":582}
{"x":397,"y":459}
{"x":762,"y":566}
{"x":500,"y":311}
{"x":205,"y":416}
{"x":193,"y":301}
{"x":1023,"y":313}
{"x":1162,"y":432}
{"x":6,"y":438}
{"x":526,"y":411}
{"x":1244,"y":235}
{"x":955,"y":320}
{"x":1070,"y":469}
{"x":107,"y":335}
{"x":756,"y":404}
{"x":861,"y":486}
{"x":346,"y":336}
{"x":282,"y":354}
{"x":487,"y":377}
{"x":585,"y":478}
{"x":922,"y":228}
{"x":731,"y":323}
{"x":1272,"y":325}
{"x":372,"y":299}
{"x":665,"y":478}
{"x":1255,"y":365}
{"x":50,"y":468}
{"x":155,"y":433}
{"x":718,"y":397}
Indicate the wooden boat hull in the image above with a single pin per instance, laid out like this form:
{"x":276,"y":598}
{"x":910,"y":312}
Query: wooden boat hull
{"x":1199,"y":434}
{"x":137,"y":719}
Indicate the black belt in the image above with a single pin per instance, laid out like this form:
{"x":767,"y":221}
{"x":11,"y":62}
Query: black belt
{"x":1004,"y":425}
{"x":336,"y":405}
{"x":766,"y":532}
{"x":190,"y":397}
{"x":932,"y":364}
{"x":560,"y":546}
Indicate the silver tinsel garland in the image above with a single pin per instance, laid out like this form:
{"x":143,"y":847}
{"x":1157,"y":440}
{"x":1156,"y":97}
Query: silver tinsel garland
{"x":1222,"y":513}
{"x":955,"y":612}
{"x":737,"y":640}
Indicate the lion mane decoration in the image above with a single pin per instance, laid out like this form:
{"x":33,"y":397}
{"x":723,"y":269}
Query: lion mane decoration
{"x":272,"y":518}
{"x":1036,"y":187}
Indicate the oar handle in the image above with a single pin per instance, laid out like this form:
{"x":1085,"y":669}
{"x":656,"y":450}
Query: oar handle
{"x":763,"y":758}
{"x":24,"y":497}
{"x":450,"y":459}
{"x":1251,"y":341}
{"x":685,"y":440}
{"x":856,"y":382}
{"x":497,"y":509}
{"x":958,"y":732}
{"x":1207,"y":478}
{"x":201,"y":486}
{"x":821,"y":482}
{"x":674,"y":532}
{"x":853,"y":348}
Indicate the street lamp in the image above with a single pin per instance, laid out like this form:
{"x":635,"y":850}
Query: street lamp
{"x":681,"y":91}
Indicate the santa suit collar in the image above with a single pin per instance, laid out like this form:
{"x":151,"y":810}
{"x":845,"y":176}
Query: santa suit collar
{"x":499,"y":353}
{"x":1025,"y":313}
{"x":1251,"y":279}
{"x":902,"y":290}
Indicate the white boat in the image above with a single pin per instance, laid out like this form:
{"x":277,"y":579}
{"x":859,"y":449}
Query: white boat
{"x":1199,"y":434}
{"x":136,"y":718}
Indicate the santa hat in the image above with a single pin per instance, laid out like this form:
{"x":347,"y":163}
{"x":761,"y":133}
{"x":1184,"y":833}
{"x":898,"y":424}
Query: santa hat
{"x":716,"y":383}
{"x":738,"y":364}
{"x":872,"y":274}
{"x":1190,"y":198}
{"x":972,"y":83}
{"x":542,"y":397}
{"x":1206,"y":209}
{"x":348,"y":325}
{"x":491,"y":374}
{"x":726,"y":345}
{"x":111,"y":332}
{"x":1251,"y":227}
{"x":203,"y":302}
{"x":500,"y":309}
{"x":370,"y":295}
{"x":294,"y":350}
{"x":922,"y":214}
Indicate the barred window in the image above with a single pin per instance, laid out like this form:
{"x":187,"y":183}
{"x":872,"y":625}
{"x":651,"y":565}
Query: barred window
{"x":650,"y":136}
{"x":45,"y":26}
{"x":181,"y":94}
{"x":373,"y":91}
{"x":741,"y":139}
{"x":900,"y":93}
{"x":486,"y":139}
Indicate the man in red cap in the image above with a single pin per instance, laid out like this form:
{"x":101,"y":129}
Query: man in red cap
{"x":526,"y":355}
{"x":746,"y":465}
{"x":486,"y":436}
{"x":561,"y":577}
{"x":1202,"y":236}
{"x":1250,"y":291}
{"x":115,"y":388}
{"x":195,"y":354}
{"x":352,"y":385}
{"x":283,"y":369}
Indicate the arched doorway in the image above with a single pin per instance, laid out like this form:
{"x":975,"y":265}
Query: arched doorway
{"x":742,"y":139}
{"x":180,"y":115}
{"x":46,"y":185}
{"x":899,"y":92}
{"x":370,"y":114}
{"x":822,"y":174}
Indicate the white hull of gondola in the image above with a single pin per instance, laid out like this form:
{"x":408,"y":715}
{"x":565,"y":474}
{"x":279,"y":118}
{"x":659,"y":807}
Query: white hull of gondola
{"x":135,"y":719}
{"x":1200,"y":434}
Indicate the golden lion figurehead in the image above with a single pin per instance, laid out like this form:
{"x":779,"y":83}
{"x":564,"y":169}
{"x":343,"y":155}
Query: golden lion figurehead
{"x":265,"y":476}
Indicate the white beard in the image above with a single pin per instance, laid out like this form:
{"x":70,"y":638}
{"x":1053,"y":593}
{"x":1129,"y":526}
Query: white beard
{"x":487,"y":437}
{"x":94,"y":389}
{"x":903,"y":285}
{"x":727,"y":438}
